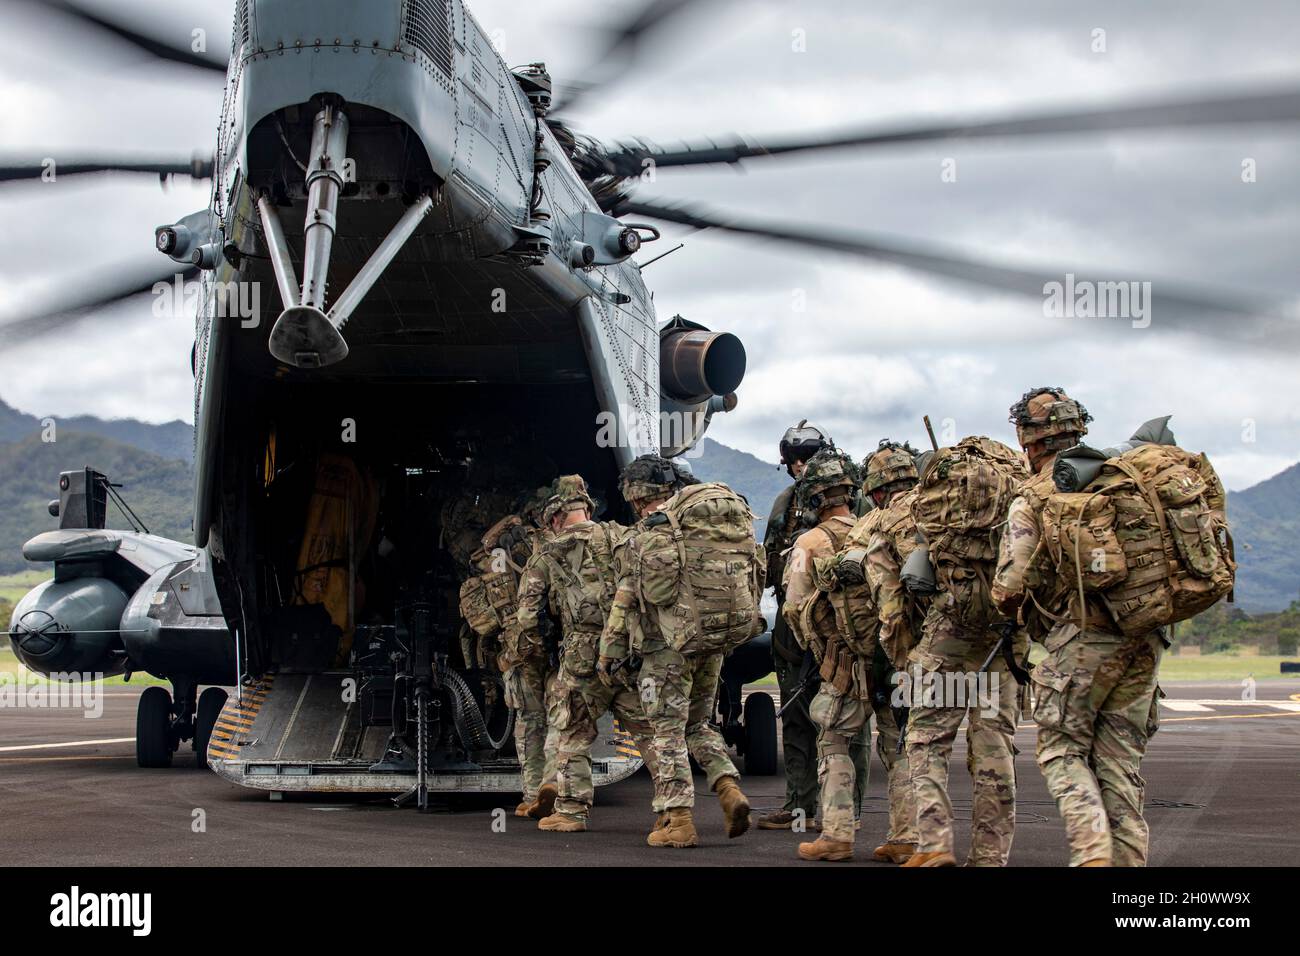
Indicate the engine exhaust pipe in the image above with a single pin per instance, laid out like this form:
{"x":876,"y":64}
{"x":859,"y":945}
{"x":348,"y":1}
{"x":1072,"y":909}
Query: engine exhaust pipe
{"x":695,"y":365}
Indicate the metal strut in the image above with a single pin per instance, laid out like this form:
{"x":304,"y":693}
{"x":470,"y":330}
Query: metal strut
{"x":304,"y":335}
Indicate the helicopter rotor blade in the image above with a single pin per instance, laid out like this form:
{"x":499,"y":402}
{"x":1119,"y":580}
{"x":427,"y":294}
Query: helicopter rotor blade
{"x":135,"y":281}
{"x":620,"y":50}
{"x":173,"y":54}
{"x":198,"y":167}
{"x":1275,"y":106}
{"x":1201,"y":311}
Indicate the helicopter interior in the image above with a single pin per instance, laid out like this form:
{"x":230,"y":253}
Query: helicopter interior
{"x":359,"y":513}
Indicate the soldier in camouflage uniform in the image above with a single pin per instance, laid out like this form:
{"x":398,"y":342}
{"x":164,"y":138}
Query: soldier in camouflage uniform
{"x":678,"y":688}
{"x":529,"y":670}
{"x":890,"y":535}
{"x":793,"y":666}
{"x":574,"y":573}
{"x":526,"y":670}
{"x":947,"y":653}
{"x":841,"y":709}
{"x":1095,"y":692}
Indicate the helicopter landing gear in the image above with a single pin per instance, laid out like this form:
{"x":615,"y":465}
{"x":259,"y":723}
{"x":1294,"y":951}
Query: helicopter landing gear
{"x":211,"y":701}
{"x":163,"y":720}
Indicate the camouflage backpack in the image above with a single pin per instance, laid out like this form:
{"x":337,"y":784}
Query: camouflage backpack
{"x":581,"y":562}
{"x":1148,"y":535}
{"x":698,"y":564}
{"x":838,"y":622}
{"x":960,"y":510}
{"x":489,"y":599}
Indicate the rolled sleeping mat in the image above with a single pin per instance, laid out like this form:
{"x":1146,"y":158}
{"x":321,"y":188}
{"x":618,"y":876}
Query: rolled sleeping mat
{"x":1076,"y":467}
{"x":918,"y":573}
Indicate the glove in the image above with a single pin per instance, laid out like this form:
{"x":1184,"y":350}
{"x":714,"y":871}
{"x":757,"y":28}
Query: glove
{"x":1005,"y":601}
{"x":605,"y":670}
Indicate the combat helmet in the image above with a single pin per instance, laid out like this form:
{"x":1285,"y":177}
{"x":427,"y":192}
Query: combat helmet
{"x":1049,"y":414}
{"x":800,"y":442}
{"x":569,"y":494}
{"x":653,"y":476}
{"x":830,"y":478}
{"x":889,"y":463}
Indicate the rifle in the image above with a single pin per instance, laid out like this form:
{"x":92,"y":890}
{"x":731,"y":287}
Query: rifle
{"x":929,"y":430}
{"x":809,"y":676}
{"x":550,"y":636}
{"x":1005,"y":645}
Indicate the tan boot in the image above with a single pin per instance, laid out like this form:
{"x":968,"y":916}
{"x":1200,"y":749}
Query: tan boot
{"x":824,"y":848}
{"x":679,"y":831}
{"x":563,"y":823}
{"x":931,"y":859}
{"x":544,"y":805}
{"x":893,"y":852}
{"x":661,"y":821}
{"x":735,"y":805}
{"x":1099,"y":862}
{"x":522,"y":809}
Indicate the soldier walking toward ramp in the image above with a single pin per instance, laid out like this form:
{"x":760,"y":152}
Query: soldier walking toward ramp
{"x":1102,"y":570}
{"x":575,"y":570}
{"x":690,"y":575}
{"x":489,"y":603}
{"x":841,"y":710}
{"x":795,"y":668}
{"x":961,"y":499}
{"x":891,"y":538}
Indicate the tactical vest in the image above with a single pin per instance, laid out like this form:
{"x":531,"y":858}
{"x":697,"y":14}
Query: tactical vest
{"x":838,"y":623}
{"x":1147,"y":540}
{"x":960,"y":508}
{"x":698,"y":570}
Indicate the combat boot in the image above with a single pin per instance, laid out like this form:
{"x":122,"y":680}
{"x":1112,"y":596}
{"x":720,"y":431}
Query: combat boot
{"x":563,"y":823}
{"x":522,"y":809}
{"x":661,"y":821}
{"x":893,"y":852}
{"x":735,"y":805}
{"x":824,"y":848}
{"x":679,"y":830}
{"x":1098,"y":862}
{"x":776,"y":820}
{"x":544,"y":805}
{"x":931,"y":859}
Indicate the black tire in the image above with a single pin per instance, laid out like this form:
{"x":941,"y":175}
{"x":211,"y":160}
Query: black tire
{"x":153,"y":728}
{"x":760,"y":735}
{"x":205,"y":718}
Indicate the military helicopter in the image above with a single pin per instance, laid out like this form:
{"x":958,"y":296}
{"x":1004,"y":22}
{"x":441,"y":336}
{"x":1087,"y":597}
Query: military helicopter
{"x":458,"y":314}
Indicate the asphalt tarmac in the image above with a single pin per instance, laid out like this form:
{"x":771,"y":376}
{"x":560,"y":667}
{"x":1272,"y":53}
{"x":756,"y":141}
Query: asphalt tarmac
{"x":1223,"y":782}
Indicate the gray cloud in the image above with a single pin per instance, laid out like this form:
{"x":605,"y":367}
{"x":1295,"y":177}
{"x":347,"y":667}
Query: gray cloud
{"x":875,"y":346}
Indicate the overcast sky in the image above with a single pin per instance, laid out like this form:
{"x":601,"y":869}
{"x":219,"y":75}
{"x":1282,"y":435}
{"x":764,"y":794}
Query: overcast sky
{"x":860,"y":348}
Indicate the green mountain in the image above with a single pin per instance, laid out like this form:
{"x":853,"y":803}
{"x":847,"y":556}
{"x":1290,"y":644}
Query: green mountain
{"x":153,"y":462}
{"x":759,"y":481}
{"x":158,"y":490}
{"x":1265,"y":521}
{"x":173,"y":441}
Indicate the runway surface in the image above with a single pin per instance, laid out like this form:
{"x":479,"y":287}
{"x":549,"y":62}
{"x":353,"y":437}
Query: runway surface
{"x":1223,"y":784}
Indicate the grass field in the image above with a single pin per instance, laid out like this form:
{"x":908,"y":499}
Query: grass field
{"x":14,"y":586}
{"x":9,"y":666}
{"x":1223,"y":667}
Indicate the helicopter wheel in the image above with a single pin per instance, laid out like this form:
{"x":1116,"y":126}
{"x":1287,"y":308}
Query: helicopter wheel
{"x":153,"y":728}
{"x":211,"y":701}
